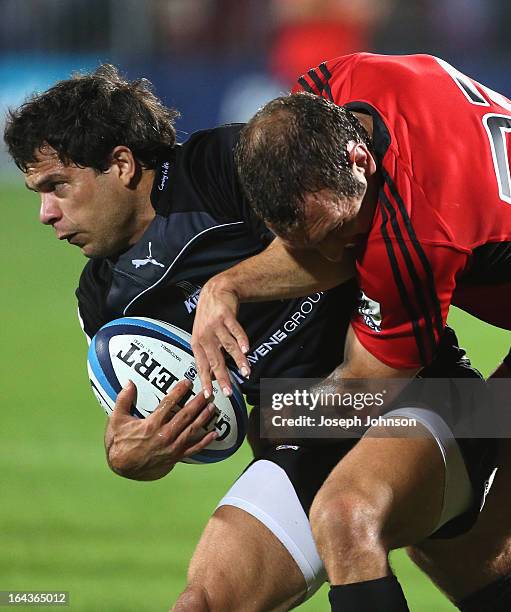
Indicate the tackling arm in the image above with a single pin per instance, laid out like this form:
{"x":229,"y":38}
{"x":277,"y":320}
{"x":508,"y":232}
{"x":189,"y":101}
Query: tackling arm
{"x":278,"y":273}
{"x":274,"y":274}
{"x":360,"y":364}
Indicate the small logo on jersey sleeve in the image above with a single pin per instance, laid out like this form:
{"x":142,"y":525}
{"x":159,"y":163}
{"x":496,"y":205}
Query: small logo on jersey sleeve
{"x":370,"y":311}
{"x":192,"y":293}
{"x":149,"y":259}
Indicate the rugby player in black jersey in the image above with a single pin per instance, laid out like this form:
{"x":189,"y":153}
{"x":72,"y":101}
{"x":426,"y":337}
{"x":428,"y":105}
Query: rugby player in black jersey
{"x":157,"y":220}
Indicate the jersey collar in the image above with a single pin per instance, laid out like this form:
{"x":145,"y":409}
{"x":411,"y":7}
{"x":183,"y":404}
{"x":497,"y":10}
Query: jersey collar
{"x":381,"y":135}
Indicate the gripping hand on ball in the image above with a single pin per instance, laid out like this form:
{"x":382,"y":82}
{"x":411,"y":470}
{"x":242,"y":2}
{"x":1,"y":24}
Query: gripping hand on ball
{"x":147,"y":449}
{"x":215,"y":330}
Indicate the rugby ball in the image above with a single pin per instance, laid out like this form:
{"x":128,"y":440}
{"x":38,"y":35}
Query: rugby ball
{"x":155,"y":356}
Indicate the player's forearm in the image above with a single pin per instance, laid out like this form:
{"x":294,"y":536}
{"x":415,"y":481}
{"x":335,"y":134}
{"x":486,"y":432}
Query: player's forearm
{"x":361,"y":372}
{"x":273,"y":274}
{"x":277,"y":274}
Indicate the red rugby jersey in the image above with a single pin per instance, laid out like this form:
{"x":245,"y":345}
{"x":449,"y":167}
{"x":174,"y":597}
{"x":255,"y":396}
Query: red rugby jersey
{"x":442,"y":228}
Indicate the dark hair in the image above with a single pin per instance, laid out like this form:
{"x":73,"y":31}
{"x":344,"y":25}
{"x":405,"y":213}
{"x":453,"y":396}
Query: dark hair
{"x":83,"y":118}
{"x":294,"y":145}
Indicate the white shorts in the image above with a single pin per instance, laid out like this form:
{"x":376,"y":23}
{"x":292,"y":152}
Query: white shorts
{"x":265,"y":491}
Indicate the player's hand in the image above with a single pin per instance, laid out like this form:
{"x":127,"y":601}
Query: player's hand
{"x":216,"y":329}
{"x":147,"y":449}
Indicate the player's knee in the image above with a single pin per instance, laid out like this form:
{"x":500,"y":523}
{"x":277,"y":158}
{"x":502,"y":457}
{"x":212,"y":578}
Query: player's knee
{"x":192,"y":599}
{"x":350,"y":519}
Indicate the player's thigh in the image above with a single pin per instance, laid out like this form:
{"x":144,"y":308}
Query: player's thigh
{"x":396,"y":472}
{"x":462,"y":565}
{"x":242,"y":566}
{"x":259,"y":541}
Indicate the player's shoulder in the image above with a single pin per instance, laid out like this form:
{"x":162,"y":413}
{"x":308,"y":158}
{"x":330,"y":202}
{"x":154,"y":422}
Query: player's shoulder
{"x":91,"y":293}
{"x":413,"y":67}
{"x":208,"y":156}
{"x":205,"y":175}
{"x":360,"y":75}
{"x":213,"y":141}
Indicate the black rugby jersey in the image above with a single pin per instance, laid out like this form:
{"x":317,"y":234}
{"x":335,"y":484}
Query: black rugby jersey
{"x":203,"y":225}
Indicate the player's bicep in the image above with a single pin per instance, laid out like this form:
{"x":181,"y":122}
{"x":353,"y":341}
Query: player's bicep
{"x":361,"y":363}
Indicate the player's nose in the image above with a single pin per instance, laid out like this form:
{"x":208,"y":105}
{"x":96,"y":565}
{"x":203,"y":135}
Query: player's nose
{"x":50,"y":212}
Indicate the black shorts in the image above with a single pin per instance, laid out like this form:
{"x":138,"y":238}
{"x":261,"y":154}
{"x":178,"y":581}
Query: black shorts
{"x":308,"y":468}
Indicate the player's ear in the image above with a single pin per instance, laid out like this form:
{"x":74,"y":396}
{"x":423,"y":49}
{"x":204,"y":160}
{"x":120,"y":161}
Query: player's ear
{"x":123,"y":164}
{"x":361,"y":157}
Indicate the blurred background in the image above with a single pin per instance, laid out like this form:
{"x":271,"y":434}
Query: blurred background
{"x":66,"y":522}
{"x":219,"y":60}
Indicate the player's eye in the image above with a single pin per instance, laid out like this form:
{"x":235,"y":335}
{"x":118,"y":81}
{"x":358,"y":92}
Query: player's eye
{"x":58,"y":187}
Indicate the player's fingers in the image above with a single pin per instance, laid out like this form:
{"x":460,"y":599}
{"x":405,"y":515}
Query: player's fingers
{"x":238,"y":333}
{"x":202,"y":424}
{"x":232,"y":346}
{"x":125,"y":400}
{"x":202,"y":444}
{"x":202,"y":363}
{"x":218,"y":368}
{"x":172,"y":402}
{"x":197,"y":429}
{"x":206,"y":441}
{"x":186,"y":415}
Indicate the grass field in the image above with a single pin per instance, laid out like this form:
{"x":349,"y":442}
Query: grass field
{"x":67,"y":523}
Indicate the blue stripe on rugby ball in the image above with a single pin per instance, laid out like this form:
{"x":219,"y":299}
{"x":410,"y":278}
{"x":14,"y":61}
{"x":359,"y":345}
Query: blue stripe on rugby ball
{"x":99,"y":350}
{"x":101,"y":364}
{"x":99,"y":392}
{"x":98,"y":369}
{"x":212,"y":456}
{"x":144,"y":324}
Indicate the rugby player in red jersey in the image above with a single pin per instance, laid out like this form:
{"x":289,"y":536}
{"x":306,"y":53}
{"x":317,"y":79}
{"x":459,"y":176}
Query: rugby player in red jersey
{"x":403,"y":161}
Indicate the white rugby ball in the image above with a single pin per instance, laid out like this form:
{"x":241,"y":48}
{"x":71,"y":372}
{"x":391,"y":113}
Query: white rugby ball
{"x":155,"y":356}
